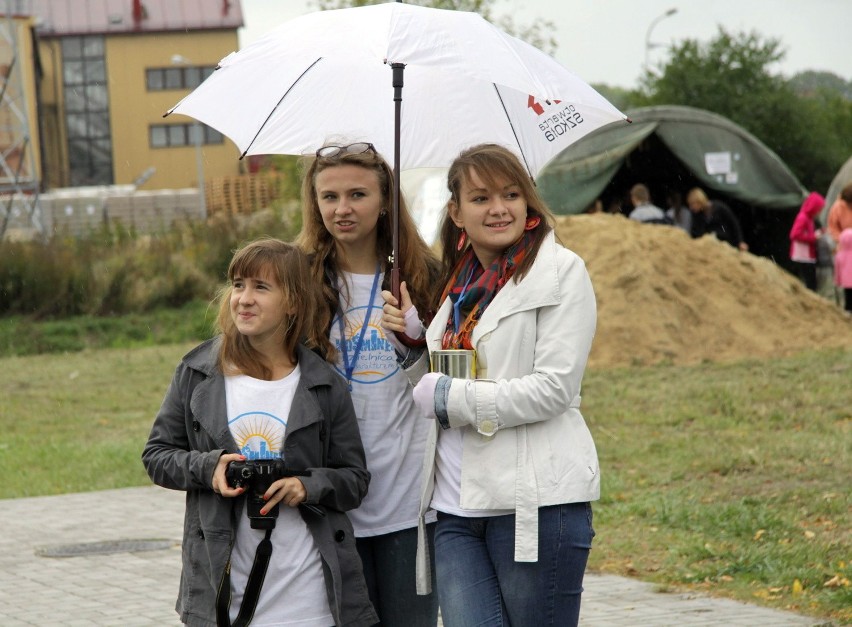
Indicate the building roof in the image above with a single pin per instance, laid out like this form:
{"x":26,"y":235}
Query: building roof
{"x":57,"y":18}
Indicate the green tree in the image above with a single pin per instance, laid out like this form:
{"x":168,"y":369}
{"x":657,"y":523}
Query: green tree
{"x":619,"y":96}
{"x":729,"y":75}
{"x":537,"y":34}
{"x":810,"y":82}
{"x":732,"y":76}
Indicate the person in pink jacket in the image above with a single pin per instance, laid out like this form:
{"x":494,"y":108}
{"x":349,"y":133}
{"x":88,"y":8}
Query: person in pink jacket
{"x":803,"y":239}
{"x":843,"y":266}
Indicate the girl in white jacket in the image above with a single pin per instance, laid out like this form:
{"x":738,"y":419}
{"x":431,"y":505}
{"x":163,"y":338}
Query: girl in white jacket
{"x":510,"y":466}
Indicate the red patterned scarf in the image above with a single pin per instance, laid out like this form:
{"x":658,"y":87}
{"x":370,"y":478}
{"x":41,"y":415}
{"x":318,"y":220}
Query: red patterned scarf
{"x":471,"y":289}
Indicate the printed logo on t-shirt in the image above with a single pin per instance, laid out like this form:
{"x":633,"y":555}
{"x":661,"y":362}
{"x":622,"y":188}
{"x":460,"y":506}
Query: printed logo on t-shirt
{"x":376,"y":361}
{"x":259,"y":435}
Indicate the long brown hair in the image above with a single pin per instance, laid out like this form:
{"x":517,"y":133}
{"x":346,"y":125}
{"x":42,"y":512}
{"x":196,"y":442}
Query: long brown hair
{"x":289,"y":267}
{"x":490,"y":162}
{"x":418,"y":266}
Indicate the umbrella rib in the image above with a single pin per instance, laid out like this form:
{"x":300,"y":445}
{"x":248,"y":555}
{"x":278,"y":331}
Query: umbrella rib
{"x":277,"y":104}
{"x":512,"y":126}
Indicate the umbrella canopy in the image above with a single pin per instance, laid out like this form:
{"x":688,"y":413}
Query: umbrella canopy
{"x":339,"y":75}
{"x":328,"y":76}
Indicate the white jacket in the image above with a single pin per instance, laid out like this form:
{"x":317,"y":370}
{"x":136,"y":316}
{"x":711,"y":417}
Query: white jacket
{"x":526,"y":444}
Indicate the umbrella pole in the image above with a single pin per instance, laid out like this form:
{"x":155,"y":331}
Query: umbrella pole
{"x":398,"y":69}
{"x":397,"y":194}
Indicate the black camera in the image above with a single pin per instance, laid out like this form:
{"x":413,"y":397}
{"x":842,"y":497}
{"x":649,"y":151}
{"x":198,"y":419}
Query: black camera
{"x":257,"y":475}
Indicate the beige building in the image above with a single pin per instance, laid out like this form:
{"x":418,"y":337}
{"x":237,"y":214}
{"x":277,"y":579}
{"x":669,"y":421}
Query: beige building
{"x":107,"y":71}
{"x":19,"y":141}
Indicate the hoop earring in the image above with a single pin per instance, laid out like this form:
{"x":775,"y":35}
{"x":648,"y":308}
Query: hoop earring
{"x":462,"y":240}
{"x":532,"y":222}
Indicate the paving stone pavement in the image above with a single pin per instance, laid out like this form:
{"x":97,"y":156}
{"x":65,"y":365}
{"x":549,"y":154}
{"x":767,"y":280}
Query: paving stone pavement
{"x":138,"y":587}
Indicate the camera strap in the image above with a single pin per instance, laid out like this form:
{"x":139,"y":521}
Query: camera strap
{"x":253,"y":586}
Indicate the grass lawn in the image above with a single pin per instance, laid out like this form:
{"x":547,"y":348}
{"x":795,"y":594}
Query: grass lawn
{"x":732,"y":479}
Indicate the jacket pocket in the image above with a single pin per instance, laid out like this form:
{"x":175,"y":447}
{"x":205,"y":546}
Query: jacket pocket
{"x":355,"y":598}
{"x":199,"y":582}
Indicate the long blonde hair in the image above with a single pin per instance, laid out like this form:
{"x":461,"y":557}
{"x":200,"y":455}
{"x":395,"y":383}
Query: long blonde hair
{"x":418,"y":266}
{"x":289,"y":267}
{"x":490,"y":162}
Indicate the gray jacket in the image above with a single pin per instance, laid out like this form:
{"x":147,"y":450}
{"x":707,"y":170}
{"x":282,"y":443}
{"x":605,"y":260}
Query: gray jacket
{"x":189,"y":435}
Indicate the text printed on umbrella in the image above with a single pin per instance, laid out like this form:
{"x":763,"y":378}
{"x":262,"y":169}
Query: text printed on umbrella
{"x":557,"y":123}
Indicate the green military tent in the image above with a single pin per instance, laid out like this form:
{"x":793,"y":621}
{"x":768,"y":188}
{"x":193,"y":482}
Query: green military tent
{"x":840,"y":180}
{"x":673,"y":149}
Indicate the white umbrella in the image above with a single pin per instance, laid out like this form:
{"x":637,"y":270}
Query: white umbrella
{"x":339,"y":74}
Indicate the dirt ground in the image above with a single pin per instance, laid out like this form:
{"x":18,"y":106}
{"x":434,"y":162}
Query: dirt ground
{"x":663,"y":297}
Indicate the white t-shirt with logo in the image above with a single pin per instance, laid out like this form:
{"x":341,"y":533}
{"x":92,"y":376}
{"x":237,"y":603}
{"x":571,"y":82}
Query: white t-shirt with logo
{"x":392,"y":430}
{"x":293,"y":592}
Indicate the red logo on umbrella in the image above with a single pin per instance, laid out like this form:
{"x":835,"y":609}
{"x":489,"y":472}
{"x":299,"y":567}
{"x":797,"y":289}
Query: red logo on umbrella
{"x":533,"y":104}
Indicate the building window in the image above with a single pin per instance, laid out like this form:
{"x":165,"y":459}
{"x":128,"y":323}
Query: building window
{"x":87,"y":111}
{"x":171,"y":135}
{"x":174,"y":78}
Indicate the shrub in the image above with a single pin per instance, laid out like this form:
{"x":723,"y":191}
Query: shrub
{"x":115,"y":271}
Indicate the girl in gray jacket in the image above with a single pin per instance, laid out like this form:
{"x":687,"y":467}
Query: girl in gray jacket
{"x":261,"y":434}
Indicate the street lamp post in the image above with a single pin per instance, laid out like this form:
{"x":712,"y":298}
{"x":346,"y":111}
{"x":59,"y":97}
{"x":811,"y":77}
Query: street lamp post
{"x":654,"y":22}
{"x":197,"y":140}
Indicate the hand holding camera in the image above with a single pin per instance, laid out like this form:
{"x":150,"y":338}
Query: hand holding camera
{"x":220,"y":482}
{"x":267,"y":482}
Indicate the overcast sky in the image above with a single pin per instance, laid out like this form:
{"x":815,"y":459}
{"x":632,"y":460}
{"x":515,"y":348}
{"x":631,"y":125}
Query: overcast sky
{"x":603,"y":41}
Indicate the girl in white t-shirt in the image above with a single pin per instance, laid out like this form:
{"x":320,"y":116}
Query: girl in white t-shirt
{"x":346,"y":216}
{"x":258,"y":396}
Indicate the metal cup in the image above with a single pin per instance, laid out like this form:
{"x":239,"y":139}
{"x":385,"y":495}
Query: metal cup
{"x":456,"y":363}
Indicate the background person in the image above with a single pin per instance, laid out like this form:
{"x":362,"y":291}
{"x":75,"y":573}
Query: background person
{"x":843,"y":267}
{"x":643,"y":209}
{"x":803,"y":239}
{"x":346,"y":203}
{"x":512,"y":467}
{"x":678,"y":213}
{"x":614,"y":207}
{"x":840,"y":214}
{"x":255,"y":392}
{"x":714,"y":218}
{"x":595,"y":207}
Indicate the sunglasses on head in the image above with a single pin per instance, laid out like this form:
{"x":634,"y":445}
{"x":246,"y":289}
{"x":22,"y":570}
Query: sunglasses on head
{"x":329,"y":152}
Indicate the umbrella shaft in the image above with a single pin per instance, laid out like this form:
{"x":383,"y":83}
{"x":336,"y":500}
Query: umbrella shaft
{"x":398,"y":69}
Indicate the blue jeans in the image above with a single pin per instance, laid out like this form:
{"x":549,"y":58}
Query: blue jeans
{"x":481,"y":584}
{"x":389,"y":568}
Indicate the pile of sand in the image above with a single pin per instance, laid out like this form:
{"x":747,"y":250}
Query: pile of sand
{"x":665,"y":297}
